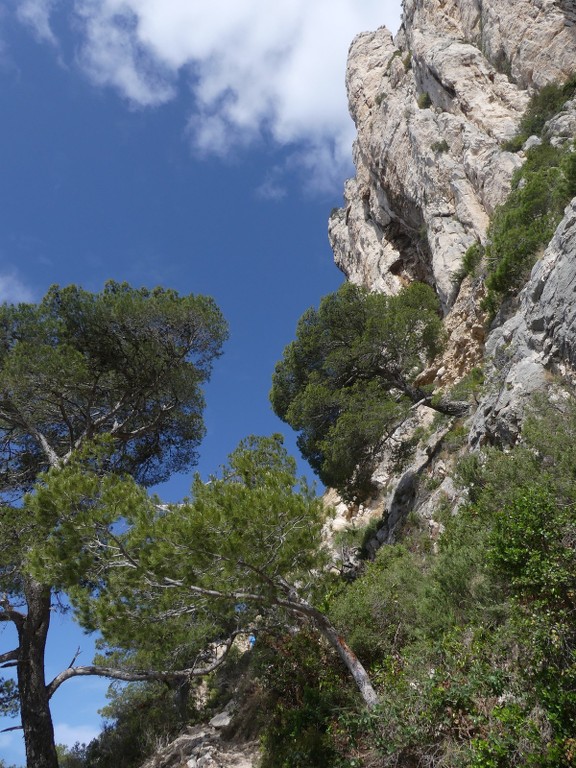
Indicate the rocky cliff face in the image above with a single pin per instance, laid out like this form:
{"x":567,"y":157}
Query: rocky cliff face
{"x":432,"y":108}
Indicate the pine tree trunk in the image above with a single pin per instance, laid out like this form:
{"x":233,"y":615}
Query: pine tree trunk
{"x":352,"y":662}
{"x":347,"y":655}
{"x":34,"y":700}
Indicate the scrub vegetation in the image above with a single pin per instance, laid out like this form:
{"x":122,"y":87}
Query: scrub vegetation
{"x":523,"y":225}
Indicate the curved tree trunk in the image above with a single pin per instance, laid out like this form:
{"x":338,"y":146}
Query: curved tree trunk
{"x":330,"y":633}
{"x":34,"y":698}
{"x":352,"y":662}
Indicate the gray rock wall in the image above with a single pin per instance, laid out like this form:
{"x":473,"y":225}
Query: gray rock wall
{"x":538,"y":339}
{"x":432,"y":109}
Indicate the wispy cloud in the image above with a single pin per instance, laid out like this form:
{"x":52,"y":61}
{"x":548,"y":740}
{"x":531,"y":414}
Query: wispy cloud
{"x":36,"y":15}
{"x":255,"y":69}
{"x":13,"y":290}
{"x":74,"y":734}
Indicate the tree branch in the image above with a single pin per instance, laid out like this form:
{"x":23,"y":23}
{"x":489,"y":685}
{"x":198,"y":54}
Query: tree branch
{"x":9,"y":656}
{"x":9,"y":613}
{"x":137,"y":675}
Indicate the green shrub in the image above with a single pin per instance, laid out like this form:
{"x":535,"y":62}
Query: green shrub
{"x":378,"y":612}
{"x":541,"y":189}
{"x":543,"y":105}
{"x":470,"y":386}
{"x":524,"y":224}
{"x":424,"y":101}
{"x":547,"y":102}
{"x":138,"y":717}
{"x":440,"y":146}
{"x":472,"y":258}
{"x":346,"y":382}
{"x":473,"y":648}
{"x":305,"y":685}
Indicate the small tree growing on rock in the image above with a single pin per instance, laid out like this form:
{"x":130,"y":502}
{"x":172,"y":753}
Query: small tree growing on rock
{"x":348,"y":380}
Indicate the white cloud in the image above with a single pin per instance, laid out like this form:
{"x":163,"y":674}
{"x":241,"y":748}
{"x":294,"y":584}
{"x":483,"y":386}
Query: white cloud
{"x":36,"y":15}
{"x":72,"y":734}
{"x":254,"y":68}
{"x":272,"y":187}
{"x":12,"y":290}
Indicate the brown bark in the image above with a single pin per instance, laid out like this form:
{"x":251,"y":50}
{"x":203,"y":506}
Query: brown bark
{"x":34,"y":698}
{"x":347,"y":655}
{"x":352,"y":663}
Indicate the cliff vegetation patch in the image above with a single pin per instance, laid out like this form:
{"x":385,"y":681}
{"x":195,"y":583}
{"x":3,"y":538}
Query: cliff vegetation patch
{"x":524,"y":224}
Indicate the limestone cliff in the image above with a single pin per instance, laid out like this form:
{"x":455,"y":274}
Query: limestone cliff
{"x":433,"y":108}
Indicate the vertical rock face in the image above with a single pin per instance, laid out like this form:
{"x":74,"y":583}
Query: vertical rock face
{"x":531,"y":40}
{"x":429,"y":168}
{"x":432,"y":109}
{"x":538,"y":339}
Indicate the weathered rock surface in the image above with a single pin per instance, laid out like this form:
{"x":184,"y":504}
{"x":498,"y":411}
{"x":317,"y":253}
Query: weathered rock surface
{"x":201,"y":746}
{"x":429,"y":168}
{"x":538,"y":339}
{"x":432,"y":109}
{"x":531,"y":40}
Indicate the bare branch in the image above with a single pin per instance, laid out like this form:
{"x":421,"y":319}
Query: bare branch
{"x":9,"y":656}
{"x":9,"y":613}
{"x":137,"y":675}
{"x":13,"y":728}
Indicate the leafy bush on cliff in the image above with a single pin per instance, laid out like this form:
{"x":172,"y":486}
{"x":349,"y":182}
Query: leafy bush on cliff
{"x":524,"y":224}
{"x":347,"y":380}
{"x":543,"y":105}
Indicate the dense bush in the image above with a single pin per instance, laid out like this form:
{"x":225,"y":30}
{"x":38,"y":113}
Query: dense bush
{"x":474,"y":647}
{"x":524,"y":224}
{"x":543,"y":105}
{"x":346,"y":382}
{"x":305,"y":688}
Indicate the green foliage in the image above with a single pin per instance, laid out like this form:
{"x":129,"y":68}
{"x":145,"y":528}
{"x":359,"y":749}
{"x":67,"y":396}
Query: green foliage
{"x":71,"y":757}
{"x":8,"y":698}
{"x":304,"y":687}
{"x":128,"y":362}
{"x":185,"y":568}
{"x":524,"y":224}
{"x":346,"y":381}
{"x":139,"y":717}
{"x":470,"y":386}
{"x":470,"y":262}
{"x":424,"y":100}
{"x":440,"y":146}
{"x":378,"y":612}
{"x":473,"y":646}
{"x":545,"y":103}
{"x":95,"y":387}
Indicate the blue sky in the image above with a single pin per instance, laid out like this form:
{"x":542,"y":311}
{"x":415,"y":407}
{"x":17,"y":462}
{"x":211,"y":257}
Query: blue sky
{"x":195,"y":146}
